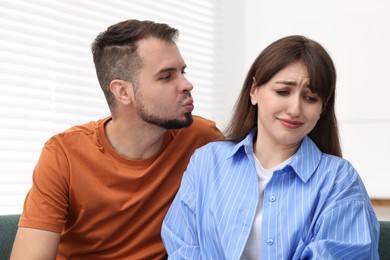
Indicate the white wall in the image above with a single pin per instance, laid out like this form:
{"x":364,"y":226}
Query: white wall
{"x":357,"y":35}
{"x":229,"y":77}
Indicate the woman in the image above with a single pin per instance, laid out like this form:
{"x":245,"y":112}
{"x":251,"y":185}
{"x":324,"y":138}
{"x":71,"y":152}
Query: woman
{"x":278,"y":187}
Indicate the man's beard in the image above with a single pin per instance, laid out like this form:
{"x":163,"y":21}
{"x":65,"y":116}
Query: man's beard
{"x":165,"y":122}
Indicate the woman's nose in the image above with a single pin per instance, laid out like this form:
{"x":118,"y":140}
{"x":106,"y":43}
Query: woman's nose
{"x":294,"y":107}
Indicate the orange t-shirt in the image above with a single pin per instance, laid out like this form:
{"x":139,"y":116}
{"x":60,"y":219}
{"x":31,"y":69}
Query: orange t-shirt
{"x":104,"y":205}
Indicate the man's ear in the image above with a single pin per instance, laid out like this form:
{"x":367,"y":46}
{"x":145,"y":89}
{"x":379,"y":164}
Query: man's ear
{"x":122,"y":90}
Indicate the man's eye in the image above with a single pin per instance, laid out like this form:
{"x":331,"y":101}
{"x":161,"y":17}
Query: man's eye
{"x":166,"y":77}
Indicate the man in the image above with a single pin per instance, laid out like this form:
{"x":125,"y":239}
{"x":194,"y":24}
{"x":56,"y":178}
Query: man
{"x":101,"y":190}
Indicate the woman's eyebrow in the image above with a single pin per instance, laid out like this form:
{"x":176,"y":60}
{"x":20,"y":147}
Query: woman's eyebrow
{"x":287,"y":82}
{"x":291,"y":83}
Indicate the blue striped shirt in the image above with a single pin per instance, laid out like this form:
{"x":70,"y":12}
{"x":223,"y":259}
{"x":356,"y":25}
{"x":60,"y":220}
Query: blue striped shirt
{"x":314,"y":208}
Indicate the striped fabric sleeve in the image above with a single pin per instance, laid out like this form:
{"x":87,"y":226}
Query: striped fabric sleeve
{"x":179,"y":232}
{"x":345,"y":232}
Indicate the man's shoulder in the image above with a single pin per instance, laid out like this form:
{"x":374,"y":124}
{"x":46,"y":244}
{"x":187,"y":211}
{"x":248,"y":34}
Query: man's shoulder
{"x":86,"y":128}
{"x":202,"y":126}
{"x":200,"y":132}
{"x":77,"y":132}
{"x":202,"y":122}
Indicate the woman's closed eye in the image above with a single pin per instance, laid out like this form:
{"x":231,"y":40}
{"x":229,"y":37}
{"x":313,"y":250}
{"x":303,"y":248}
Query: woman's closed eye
{"x":311,"y":99}
{"x":283,"y":92}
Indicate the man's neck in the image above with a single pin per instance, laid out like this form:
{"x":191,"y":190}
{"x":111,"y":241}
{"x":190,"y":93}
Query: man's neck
{"x":134,"y":139}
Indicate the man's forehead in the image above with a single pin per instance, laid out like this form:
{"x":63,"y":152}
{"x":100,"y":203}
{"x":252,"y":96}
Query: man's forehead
{"x":160,"y":55}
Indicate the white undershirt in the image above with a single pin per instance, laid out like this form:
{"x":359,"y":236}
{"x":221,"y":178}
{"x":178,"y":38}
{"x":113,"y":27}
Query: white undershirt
{"x":252,"y":250}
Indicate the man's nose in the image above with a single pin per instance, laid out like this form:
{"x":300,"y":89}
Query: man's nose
{"x":186,"y":85}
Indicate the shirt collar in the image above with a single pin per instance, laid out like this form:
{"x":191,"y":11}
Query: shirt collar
{"x":306,"y":159}
{"x":246,"y":144}
{"x":304,"y":162}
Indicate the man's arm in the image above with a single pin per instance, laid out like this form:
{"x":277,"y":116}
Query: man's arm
{"x":34,"y":244}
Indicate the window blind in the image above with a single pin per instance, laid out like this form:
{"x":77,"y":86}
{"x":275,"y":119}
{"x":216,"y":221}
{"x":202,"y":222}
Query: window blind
{"x":47,"y":77}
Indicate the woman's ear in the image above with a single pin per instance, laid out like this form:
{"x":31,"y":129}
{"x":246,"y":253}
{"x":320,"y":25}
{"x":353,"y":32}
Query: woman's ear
{"x":122,"y":90}
{"x":253,"y":92}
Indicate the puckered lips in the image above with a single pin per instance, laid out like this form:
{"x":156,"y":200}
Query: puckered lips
{"x":189,"y":105}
